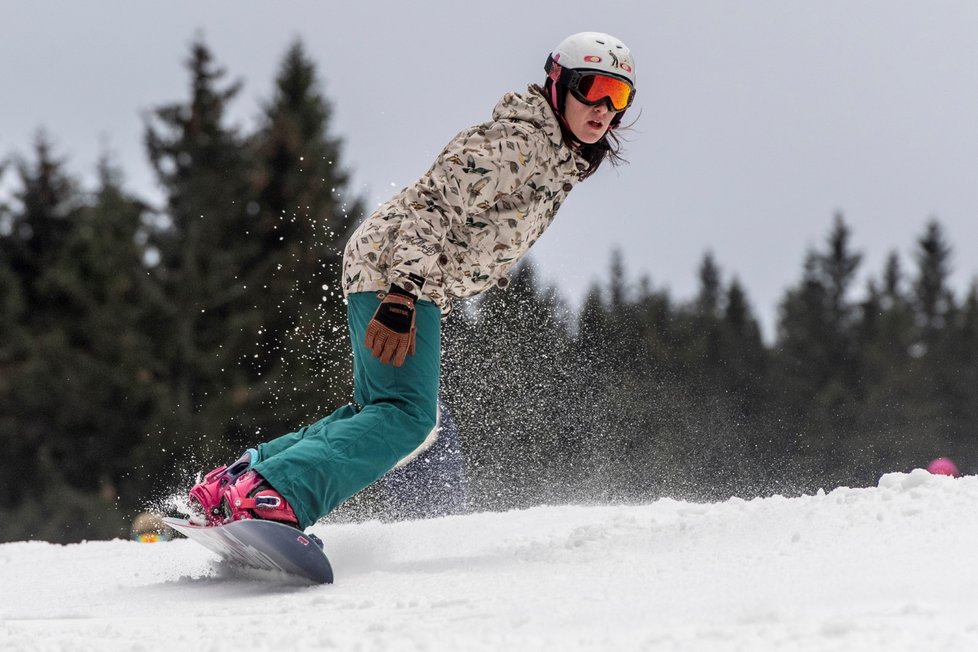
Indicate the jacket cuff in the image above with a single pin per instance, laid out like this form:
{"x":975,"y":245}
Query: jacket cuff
{"x":410,"y":285}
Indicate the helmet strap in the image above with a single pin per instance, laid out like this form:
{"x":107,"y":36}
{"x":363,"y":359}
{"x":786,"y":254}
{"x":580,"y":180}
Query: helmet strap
{"x":557,"y":99}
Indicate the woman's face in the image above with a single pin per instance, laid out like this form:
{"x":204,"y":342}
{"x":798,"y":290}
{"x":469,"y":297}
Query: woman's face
{"x":588,"y":123}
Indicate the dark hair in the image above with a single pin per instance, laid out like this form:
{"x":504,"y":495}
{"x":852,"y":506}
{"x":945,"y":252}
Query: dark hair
{"x":608,"y":148}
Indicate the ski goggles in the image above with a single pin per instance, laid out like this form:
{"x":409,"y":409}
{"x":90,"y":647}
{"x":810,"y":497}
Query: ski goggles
{"x":593,"y":88}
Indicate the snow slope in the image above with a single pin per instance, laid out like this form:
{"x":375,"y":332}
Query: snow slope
{"x":888,"y":568}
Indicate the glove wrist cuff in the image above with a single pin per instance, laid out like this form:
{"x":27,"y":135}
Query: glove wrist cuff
{"x":398,"y":291}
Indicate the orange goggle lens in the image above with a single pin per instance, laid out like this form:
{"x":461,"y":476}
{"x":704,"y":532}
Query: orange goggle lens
{"x":594,"y":88}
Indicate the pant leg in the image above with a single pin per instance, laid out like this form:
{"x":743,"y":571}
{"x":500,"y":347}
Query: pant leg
{"x":336,"y":458}
{"x":276,"y":446}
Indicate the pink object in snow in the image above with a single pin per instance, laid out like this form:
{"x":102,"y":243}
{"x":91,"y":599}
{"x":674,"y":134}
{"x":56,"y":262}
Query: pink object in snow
{"x":944,"y":466}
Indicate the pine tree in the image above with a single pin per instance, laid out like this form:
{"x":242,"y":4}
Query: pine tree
{"x":961,"y":439}
{"x":886,"y":328}
{"x":624,"y":338}
{"x":705,"y":357}
{"x":73,"y":401}
{"x":205,"y":249}
{"x":708,"y":300}
{"x":592,"y":334}
{"x":110,"y":387}
{"x":507,"y":385}
{"x":38,"y":226}
{"x":621,"y":350}
{"x":711,"y":386}
{"x":744,"y":352}
{"x":36,"y":232}
{"x":802,"y":352}
{"x":932,"y":299}
{"x":817,"y":366}
{"x":303,"y":214}
{"x":12,"y":306}
{"x":102,"y":280}
{"x":885,"y":423}
{"x":617,"y":282}
{"x":939,"y":399}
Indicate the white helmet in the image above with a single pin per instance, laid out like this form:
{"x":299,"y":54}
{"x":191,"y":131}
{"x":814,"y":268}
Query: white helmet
{"x":594,"y":51}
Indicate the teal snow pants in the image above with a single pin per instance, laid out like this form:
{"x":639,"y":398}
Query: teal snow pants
{"x":323,"y":464}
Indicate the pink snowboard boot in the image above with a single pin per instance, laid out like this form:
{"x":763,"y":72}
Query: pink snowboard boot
{"x":252,"y":497}
{"x":205,"y":496}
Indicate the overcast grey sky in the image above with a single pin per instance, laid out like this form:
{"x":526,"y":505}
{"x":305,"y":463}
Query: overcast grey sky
{"x":759,"y":119}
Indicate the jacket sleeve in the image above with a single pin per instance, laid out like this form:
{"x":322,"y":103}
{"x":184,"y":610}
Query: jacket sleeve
{"x":476,"y":169}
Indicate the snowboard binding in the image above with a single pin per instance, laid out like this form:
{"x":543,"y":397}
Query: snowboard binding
{"x":252,"y":497}
{"x":205,"y":496}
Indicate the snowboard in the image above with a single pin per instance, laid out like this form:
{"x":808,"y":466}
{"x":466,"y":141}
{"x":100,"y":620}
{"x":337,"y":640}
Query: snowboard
{"x":265,"y":545}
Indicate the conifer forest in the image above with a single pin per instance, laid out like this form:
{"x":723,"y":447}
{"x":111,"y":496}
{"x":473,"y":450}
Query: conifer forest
{"x":142,"y":342}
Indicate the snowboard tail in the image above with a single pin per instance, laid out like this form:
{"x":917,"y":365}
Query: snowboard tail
{"x":261,"y":544}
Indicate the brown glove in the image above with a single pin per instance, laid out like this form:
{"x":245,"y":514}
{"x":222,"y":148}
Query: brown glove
{"x":390,"y":333}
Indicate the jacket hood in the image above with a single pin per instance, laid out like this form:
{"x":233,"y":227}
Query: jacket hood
{"x":533,"y":108}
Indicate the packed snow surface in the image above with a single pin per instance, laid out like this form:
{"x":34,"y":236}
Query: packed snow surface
{"x":891,"y":567}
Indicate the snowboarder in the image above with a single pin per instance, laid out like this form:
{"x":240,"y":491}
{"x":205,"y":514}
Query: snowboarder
{"x":453,"y":233}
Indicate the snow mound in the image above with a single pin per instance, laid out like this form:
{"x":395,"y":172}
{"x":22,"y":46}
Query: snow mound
{"x":890,"y":567}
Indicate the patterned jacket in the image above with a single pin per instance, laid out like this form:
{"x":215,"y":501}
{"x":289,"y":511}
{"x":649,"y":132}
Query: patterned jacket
{"x":462,"y":226}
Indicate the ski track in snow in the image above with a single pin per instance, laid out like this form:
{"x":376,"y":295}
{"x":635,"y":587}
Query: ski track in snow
{"x":886,"y":568}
